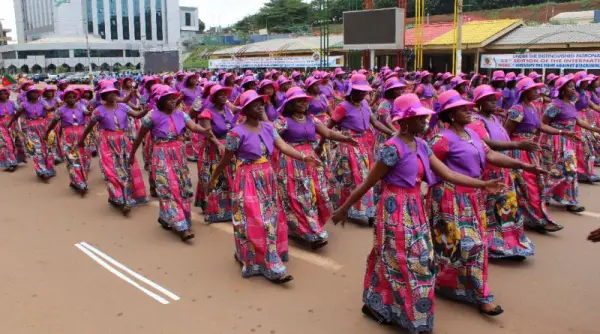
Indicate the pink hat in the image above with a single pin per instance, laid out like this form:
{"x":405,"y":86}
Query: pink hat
{"x":247,"y":79}
{"x":447,"y":76}
{"x":551,"y":77}
{"x":457,"y":81}
{"x":498,"y":76}
{"x":265,"y":83}
{"x":390,"y":74}
{"x":160,"y":91}
{"x":296,"y":74}
{"x":108,"y":88}
{"x":363,"y":71}
{"x":217,"y":88}
{"x":398,"y":69}
{"x":179,"y":73}
{"x":510,"y":76}
{"x":62,"y":82}
{"x":338,"y":71}
{"x":562,"y":81}
{"x":525,"y":85}
{"x":250,"y":96}
{"x":439,"y":75}
{"x":282,"y":80}
{"x":4,"y":88}
{"x":358,"y":82}
{"x":581,"y":77}
{"x":72,"y":90}
{"x":462,"y":75}
{"x":293,"y":93}
{"x":392,"y":83}
{"x":451,"y":99}
{"x":484,"y":91}
{"x":407,"y":106}
{"x":25,"y":82}
{"x":49,"y":88}
{"x":534,"y":75}
{"x":248,"y":72}
{"x":311,"y":81}
{"x":325,"y":75}
{"x":426,"y":73}
{"x":31,"y":89}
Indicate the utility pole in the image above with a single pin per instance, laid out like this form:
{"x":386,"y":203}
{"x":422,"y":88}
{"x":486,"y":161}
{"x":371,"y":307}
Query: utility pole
{"x":459,"y":9}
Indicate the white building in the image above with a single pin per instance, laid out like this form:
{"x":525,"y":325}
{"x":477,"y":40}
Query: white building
{"x":190,"y":28}
{"x":4,"y":38}
{"x":52,"y":33}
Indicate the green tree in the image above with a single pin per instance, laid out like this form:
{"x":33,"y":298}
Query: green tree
{"x":201,"y":25}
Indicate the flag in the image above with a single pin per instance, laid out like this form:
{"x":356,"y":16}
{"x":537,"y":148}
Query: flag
{"x":7,"y":80}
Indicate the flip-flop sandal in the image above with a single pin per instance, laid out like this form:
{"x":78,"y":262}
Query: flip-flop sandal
{"x":495,"y":312}
{"x":282,"y":280}
{"x":318,"y":244}
{"x":556,"y":228}
{"x":164,"y":224}
{"x":125,"y":209}
{"x":187,"y":237}
{"x":576,"y":210}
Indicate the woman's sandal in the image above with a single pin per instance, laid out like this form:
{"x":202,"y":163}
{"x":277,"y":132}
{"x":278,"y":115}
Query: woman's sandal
{"x":495,"y":312}
{"x":164,"y":224}
{"x":374,"y":315}
{"x":282,"y":280}
{"x":125,"y":209}
{"x":187,"y":236}
{"x":318,"y":244}
{"x":575,"y":209}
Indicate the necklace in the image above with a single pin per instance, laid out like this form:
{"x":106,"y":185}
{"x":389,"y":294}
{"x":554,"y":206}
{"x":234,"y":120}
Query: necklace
{"x":299,"y":119}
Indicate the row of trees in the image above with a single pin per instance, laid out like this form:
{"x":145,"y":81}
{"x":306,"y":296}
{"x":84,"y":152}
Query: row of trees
{"x":285,"y":16}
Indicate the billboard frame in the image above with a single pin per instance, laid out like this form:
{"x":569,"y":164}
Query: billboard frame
{"x":399,"y":33}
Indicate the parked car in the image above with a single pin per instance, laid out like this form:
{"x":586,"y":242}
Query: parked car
{"x":39,"y":77}
{"x":52,"y":79}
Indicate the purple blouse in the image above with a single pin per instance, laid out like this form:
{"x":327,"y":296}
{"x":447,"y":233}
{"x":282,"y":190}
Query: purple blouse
{"x":35,"y":110}
{"x":318,"y":106}
{"x":357,"y":118}
{"x":403,"y":162}
{"x":190,"y":95}
{"x":271,"y":112}
{"x":70,"y":117}
{"x":251,"y":146}
{"x":220,"y":122}
{"x":493,"y":127}
{"x":465,"y":157}
{"x":295,"y":132}
{"x":526,"y":116}
{"x":112,"y":119}
{"x":508,"y":98}
{"x":7,"y":108}
{"x":165,"y":127}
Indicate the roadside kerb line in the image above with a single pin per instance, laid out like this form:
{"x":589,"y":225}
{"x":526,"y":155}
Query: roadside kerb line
{"x":120,"y":275}
{"x":130,"y":272}
{"x":590,"y":214}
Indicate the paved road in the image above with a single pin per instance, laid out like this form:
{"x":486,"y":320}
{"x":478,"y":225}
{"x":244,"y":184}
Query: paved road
{"x":50,"y":286}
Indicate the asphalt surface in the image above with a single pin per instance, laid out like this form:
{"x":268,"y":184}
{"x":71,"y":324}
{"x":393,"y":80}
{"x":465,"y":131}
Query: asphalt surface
{"x":51,"y":286}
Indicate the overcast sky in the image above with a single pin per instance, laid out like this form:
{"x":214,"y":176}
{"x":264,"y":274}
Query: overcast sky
{"x":212,"y":12}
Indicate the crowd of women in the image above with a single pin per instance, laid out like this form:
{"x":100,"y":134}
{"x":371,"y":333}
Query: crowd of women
{"x":449,"y":170}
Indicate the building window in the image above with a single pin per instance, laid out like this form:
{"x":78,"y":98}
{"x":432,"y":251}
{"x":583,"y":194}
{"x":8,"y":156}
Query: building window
{"x":82,"y":53}
{"x":90,"y":16}
{"x":46,"y":53}
{"x":125,"y":19}
{"x":9,"y":55}
{"x":114,"y":34}
{"x":148,"y":12}
{"x":159,"y":25}
{"x":101,"y":22}
{"x":137,"y":25}
{"x":132,"y":53}
{"x":188,"y":19}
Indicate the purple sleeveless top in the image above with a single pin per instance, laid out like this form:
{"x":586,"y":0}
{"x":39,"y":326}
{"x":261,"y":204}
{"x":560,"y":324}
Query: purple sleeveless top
{"x":190,"y":95}
{"x":22,"y":97}
{"x":508,"y":98}
{"x":327,"y":90}
{"x":249,"y":148}
{"x":53,"y":102}
{"x":594,"y":98}
{"x":462,"y":158}
{"x":272,"y":113}
{"x":106,"y":117}
{"x":221,"y":123}
{"x":583,"y":101}
{"x":35,"y":110}
{"x":318,"y":107}
{"x":531,"y":121}
{"x":280,"y":98}
{"x":60,"y":94}
{"x":357,"y":117}
{"x":7,"y":108}
{"x":428,"y":92}
{"x":68,"y":116}
{"x":299,"y":132}
{"x":339,"y":85}
{"x":133,"y":100}
{"x":404,"y":173}
{"x":235,"y":93}
{"x":161,"y":123}
{"x":568,"y":112}
{"x":494,"y":128}
{"x":179,"y":85}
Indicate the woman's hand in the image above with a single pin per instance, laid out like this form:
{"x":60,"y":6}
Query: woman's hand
{"x":339,"y":216}
{"x":309,"y":159}
{"x":572,"y":135}
{"x":594,"y":236}
{"x":535,"y":170}
{"x":221,"y":149}
{"x":494,"y":186}
{"x":350,"y":140}
{"x":529,"y":146}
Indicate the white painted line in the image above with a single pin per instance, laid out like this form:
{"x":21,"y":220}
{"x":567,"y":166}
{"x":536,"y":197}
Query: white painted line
{"x":590,"y":214}
{"x":130,"y":272}
{"x":121,"y":276}
{"x":309,"y":257}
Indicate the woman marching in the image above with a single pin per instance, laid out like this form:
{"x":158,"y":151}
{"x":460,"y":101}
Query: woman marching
{"x":167,"y":125}
{"x":400,"y":278}
{"x":260,"y":230}
{"x":392,"y":88}
{"x":35,"y":112}
{"x":425,"y":90}
{"x":457,"y":212}
{"x":351,"y":164}
{"x":586,"y":111}
{"x":267,"y":88}
{"x":302,"y":187}
{"x":53,"y":101}
{"x":560,"y":152}
{"x":72,"y":120}
{"x":10,"y":154}
{"x":218,"y":118}
{"x":124,"y":182}
{"x":505,"y":235}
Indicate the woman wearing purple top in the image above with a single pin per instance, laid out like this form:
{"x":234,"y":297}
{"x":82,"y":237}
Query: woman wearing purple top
{"x":124,"y":183}
{"x":62,"y":86}
{"x":297,"y":79}
{"x":50,"y":97}
{"x":505,"y":234}
{"x":23,"y":87}
{"x":229,"y":82}
{"x":392,"y":89}
{"x":523,"y":124}
{"x":594,"y":93}
{"x":339,"y":84}
{"x":167,"y":126}
{"x":218,"y":118}
{"x":284,"y":84}
{"x":400,"y":278}
{"x":303,"y":188}
{"x":9,"y":157}
{"x":445,"y":86}
{"x":326,"y":88}
{"x":560,"y":152}
{"x":191,"y":93}
{"x":35,"y":111}
{"x":267,"y":89}
{"x":457,"y":213}
{"x":179,"y":80}
{"x":508,"y":93}
{"x":134,"y":103}
{"x":260,"y":229}
{"x":587,"y":111}
{"x":351,"y":164}
{"x":72,"y":120}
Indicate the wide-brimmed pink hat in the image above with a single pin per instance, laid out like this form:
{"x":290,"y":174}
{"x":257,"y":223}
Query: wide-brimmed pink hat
{"x":457,"y":81}
{"x":550,"y":77}
{"x":447,"y":76}
{"x":407,"y":106}
{"x":72,"y":90}
{"x":526,"y":84}
{"x":160,"y":91}
{"x":31,"y":89}
{"x":49,"y":88}
{"x":358,"y":82}
{"x":534,"y":75}
{"x":392,"y":83}
{"x":363,"y":71}
{"x":498,"y":75}
{"x":311,"y":81}
{"x":562,"y":81}
{"x":248,"y":72}
{"x":325,"y":75}
{"x":247,"y":79}
{"x":451,"y":99}
{"x":296,"y":74}
{"x":62,"y":82}
{"x":581,"y":77}
{"x":338,"y":71}
{"x":107,"y":89}
{"x":426,"y":74}
{"x":217,"y":88}
{"x":293,"y":93}
{"x":4,"y":88}
{"x":510,"y":76}
{"x":265,"y":83}
{"x":390,"y":74}
{"x":484,"y":91}
{"x":25,"y":82}
{"x":438,"y":76}
{"x":250,"y":96}
{"x":282,"y":80}
{"x":179,"y":73}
